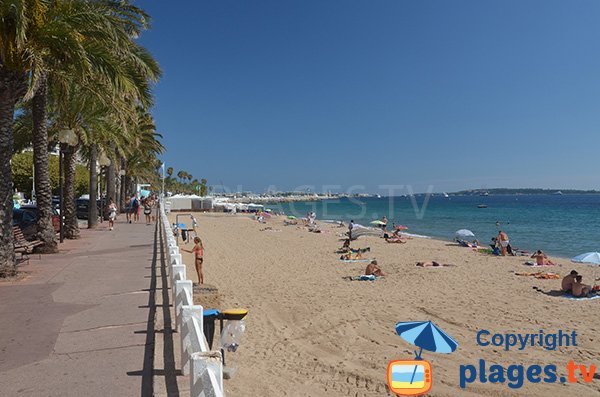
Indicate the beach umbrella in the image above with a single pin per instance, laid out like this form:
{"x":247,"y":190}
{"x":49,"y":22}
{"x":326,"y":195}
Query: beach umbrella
{"x":378,"y":223}
{"x":463,"y":233}
{"x":291,"y":217}
{"x":592,"y":258}
{"x":425,"y":335}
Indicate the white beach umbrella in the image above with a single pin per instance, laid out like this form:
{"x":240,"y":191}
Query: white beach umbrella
{"x":592,"y":258}
{"x":463,"y":233}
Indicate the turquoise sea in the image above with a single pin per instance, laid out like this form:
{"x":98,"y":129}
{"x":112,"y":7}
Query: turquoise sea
{"x":561,"y":225}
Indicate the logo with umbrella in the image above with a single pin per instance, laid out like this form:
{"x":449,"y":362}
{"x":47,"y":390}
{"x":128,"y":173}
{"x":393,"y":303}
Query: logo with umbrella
{"x":414,"y":377}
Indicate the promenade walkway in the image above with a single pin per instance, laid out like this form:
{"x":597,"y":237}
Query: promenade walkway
{"x":89,"y":321}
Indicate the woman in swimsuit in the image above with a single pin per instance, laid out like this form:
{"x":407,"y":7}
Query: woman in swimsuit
{"x":198,"y":250}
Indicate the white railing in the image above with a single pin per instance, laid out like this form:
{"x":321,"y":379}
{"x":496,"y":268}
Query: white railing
{"x":205,"y":367}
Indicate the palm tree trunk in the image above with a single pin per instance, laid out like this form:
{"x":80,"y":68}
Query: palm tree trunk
{"x":110,"y":179}
{"x":43,"y":189}
{"x":71,"y":225}
{"x":12,"y":87}
{"x":93,"y":210}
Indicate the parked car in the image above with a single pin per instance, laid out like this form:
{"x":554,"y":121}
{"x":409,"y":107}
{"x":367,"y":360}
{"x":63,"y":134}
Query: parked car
{"x":83,"y":205}
{"x":26,"y":218}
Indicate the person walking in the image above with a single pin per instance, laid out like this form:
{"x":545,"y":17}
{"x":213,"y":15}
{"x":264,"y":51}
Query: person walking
{"x":112,"y":214}
{"x":147,"y":209}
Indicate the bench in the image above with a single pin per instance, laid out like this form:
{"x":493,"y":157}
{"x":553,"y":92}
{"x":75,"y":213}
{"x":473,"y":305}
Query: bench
{"x":24,"y":246}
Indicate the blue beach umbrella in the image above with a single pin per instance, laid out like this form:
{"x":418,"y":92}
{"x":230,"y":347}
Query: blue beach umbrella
{"x":426,"y":335}
{"x":589,"y":257}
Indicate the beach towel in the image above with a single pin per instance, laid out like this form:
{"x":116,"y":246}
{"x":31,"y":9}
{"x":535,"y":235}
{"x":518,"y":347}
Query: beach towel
{"x":356,"y":260}
{"x":363,"y":277}
{"x":575,"y":298}
{"x":534,"y":264}
{"x":540,"y":275}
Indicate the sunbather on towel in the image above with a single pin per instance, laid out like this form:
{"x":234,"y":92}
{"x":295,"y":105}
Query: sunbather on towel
{"x":396,"y":240}
{"x":348,"y":256}
{"x":541,"y":259}
{"x":433,"y":264}
{"x":581,"y":290}
{"x":364,"y":277}
{"x":567,"y":282}
{"x":374,"y":269}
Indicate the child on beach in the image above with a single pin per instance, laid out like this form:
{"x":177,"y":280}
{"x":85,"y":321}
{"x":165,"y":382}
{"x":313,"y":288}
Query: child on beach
{"x":198,"y":250}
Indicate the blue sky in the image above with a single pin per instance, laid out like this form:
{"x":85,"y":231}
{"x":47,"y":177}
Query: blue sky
{"x":453,"y":94}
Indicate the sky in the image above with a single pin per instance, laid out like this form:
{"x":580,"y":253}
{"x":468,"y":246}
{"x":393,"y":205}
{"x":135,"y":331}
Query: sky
{"x":356,"y":95}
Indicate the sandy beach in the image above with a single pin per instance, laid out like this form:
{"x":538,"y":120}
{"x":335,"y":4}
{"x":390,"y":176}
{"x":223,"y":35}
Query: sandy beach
{"x":312,"y":333}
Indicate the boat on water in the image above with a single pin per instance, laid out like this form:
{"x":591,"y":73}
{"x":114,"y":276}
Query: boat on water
{"x":446,"y":195}
{"x":559,"y":193}
{"x":484,"y":194}
{"x":482,"y":206}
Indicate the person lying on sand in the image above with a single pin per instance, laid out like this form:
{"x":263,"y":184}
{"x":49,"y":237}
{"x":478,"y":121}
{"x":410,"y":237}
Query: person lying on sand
{"x":581,"y":290}
{"x":541,"y":259}
{"x":352,"y":250}
{"x":348,"y":256}
{"x":374,"y":269}
{"x":433,"y":264}
{"x":395,"y":240}
{"x":567,"y":282}
{"x":540,"y":275}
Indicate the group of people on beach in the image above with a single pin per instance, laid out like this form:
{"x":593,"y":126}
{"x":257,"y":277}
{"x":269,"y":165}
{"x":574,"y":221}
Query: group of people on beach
{"x":573,"y":284}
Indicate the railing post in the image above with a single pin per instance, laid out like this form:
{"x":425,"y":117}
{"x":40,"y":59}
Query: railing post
{"x":183,"y":296}
{"x":188,"y":334}
{"x":176,"y":259}
{"x":178,"y":273}
{"x":206,"y":378}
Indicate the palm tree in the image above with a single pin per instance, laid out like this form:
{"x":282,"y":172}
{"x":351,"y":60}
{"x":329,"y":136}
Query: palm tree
{"x":115,"y":91}
{"x":17,"y":20}
{"x":181,"y":175}
{"x":170,"y":172}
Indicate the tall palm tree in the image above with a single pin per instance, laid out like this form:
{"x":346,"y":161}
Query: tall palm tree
{"x":17,"y":19}
{"x":107,"y":52}
{"x":130,"y":70}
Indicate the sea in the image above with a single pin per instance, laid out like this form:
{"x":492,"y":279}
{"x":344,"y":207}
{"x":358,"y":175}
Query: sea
{"x":562,"y":225}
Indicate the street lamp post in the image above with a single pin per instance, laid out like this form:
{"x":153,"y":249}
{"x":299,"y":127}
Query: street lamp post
{"x":65,"y":137}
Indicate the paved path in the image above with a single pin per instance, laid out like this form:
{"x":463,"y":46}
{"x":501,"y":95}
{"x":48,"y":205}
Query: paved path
{"x":83,"y":322}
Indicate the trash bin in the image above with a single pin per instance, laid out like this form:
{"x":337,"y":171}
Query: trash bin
{"x":233,"y":330}
{"x":209,"y":318}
